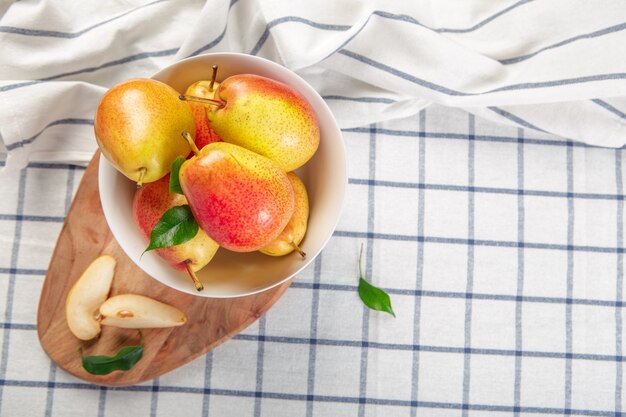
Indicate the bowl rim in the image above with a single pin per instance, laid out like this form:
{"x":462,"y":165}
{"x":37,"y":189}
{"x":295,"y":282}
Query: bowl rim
{"x":105,"y":164}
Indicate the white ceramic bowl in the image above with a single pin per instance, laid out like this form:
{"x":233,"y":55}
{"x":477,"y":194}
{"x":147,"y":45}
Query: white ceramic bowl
{"x":232,"y":274}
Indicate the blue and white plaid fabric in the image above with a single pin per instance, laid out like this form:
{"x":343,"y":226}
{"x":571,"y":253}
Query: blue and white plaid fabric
{"x":501,"y":246}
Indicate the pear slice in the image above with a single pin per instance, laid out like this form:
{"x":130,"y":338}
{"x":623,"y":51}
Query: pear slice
{"x":86,"y":295}
{"x":133,"y":311}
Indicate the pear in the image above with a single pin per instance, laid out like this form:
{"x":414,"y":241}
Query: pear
{"x":150,"y":202}
{"x":86,"y":295}
{"x":138,"y":126}
{"x":133,"y":311}
{"x":87,"y":306}
{"x":205,"y":89}
{"x":241,"y":199}
{"x":293,"y":233}
{"x":266,"y":117}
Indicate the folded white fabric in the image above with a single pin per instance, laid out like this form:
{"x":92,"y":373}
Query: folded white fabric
{"x":554,"y":66}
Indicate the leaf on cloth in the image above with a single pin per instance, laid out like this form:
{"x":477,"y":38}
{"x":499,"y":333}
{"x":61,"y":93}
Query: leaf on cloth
{"x":373,"y":297}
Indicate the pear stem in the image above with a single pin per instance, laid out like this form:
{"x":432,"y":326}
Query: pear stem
{"x":219,"y":103}
{"x":193,"y":276}
{"x":297,"y":249}
{"x":213,"y":77}
{"x":142,"y":173}
{"x":189,"y":139}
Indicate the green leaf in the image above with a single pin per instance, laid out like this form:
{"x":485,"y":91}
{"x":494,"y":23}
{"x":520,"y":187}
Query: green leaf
{"x":372,"y":296}
{"x":174,"y":179}
{"x":123,"y":360}
{"x":177,"y":225}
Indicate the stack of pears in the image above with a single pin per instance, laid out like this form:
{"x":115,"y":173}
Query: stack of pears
{"x":242,"y":140}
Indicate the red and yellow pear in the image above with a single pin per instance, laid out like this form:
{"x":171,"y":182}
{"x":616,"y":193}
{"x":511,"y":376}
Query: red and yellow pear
{"x":205,"y":89}
{"x":149,"y":204}
{"x":294,"y":232}
{"x":241,"y":199}
{"x":138,"y":126}
{"x":266,"y":117}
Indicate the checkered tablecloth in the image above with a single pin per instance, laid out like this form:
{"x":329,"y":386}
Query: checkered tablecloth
{"x":502,"y":250}
{"x":501,"y":245}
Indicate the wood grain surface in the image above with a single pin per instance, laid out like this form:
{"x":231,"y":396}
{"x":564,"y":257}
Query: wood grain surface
{"x":85,"y":235}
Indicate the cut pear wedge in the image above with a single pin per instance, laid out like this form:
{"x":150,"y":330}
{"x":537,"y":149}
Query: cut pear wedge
{"x":133,"y":311}
{"x":86,"y":295}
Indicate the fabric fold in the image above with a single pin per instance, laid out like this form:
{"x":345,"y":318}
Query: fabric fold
{"x":552,"y":67}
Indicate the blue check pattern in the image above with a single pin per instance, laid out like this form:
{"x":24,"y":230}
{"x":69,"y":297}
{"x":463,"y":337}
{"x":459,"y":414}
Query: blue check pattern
{"x":501,"y":248}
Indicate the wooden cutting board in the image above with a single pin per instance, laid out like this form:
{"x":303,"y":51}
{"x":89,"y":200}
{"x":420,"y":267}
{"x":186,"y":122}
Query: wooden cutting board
{"x":85,"y":236}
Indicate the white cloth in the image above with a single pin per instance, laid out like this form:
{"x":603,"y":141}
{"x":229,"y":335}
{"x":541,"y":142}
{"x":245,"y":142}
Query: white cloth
{"x":555,"y":66}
